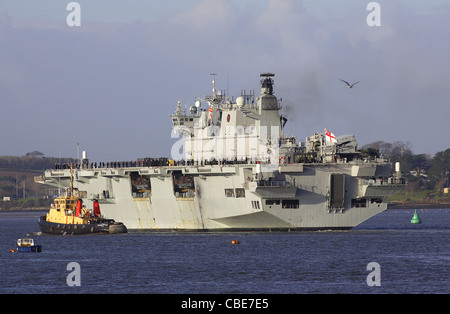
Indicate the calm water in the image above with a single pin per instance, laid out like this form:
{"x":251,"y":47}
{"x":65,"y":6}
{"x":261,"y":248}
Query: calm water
{"x":412,"y":258}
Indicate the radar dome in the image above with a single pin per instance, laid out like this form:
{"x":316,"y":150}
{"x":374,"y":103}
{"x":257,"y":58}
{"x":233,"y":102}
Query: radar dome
{"x":197,"y":103}
{"x":240,"y":101}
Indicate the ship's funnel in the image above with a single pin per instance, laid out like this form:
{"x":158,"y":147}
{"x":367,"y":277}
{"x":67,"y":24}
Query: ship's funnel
{"x":96,"y":208}
{"x":78,"y":208}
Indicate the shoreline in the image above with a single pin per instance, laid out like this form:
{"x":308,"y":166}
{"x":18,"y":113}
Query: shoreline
{"x":417,"y":206}
{"x":12,"y":210}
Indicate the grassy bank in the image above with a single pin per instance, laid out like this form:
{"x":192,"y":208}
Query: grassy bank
{"x":420,"y":199}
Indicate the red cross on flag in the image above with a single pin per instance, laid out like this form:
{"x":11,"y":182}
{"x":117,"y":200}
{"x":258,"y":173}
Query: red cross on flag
{"x":329,"y":137}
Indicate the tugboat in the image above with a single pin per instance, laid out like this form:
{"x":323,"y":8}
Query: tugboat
{"x":69,"y":216}
{"x":27,"y":245}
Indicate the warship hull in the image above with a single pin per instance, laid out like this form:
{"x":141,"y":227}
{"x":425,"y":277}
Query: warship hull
{"x":225,"y":198}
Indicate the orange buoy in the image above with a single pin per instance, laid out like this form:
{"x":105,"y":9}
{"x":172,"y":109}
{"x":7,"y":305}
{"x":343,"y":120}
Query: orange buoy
{"x":235,"y":242}
{"x":12,"y":251}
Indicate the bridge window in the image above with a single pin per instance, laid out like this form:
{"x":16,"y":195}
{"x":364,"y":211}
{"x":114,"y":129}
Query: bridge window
{"x":290,"y":203}
{"x":240,"y":193}
{"x":273,"y":202}
{"x":359,"y":202}
{"x":376,"y":200}
{"x":255,"y":205}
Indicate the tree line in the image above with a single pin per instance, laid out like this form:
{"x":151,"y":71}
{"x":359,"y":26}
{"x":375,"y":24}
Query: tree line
{"x":17,"y":180}
{"x":421,"y":170}
{"x":32,"y":161}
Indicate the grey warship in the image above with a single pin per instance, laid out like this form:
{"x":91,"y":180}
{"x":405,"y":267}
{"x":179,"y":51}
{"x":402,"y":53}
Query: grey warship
{"x":233,"y":169}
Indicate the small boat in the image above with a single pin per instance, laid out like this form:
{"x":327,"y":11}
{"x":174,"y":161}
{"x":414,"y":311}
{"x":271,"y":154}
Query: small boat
{"x":69,"y":216}
{"x":415,"y":218}
{"x":27,"y":245}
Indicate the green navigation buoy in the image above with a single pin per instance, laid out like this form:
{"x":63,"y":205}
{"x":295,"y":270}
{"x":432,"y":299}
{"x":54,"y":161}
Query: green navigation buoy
{"x":415,"y":218}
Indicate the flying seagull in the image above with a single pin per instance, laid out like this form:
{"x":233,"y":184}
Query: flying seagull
{"x":348,"y":84}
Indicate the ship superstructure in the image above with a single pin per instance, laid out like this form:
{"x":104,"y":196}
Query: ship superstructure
{"x":232,"y":168}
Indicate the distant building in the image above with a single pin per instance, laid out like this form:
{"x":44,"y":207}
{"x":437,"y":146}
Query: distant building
{"x":6,"y":198}
{"x":446,"y":190}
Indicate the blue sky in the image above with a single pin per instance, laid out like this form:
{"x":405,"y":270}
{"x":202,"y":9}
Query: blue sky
{"x":110,"y":84}
{"x":151,"y":10}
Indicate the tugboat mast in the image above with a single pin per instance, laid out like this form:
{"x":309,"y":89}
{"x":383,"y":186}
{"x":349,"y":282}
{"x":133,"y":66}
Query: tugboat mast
{"x":71,"y":180}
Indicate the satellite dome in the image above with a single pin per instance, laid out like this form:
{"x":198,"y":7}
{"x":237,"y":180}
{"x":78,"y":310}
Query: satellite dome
{"x":240,"y":101}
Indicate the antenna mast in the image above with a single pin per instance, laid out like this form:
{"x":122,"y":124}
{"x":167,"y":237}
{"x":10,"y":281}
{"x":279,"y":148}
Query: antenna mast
{"x":214,"y":84}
